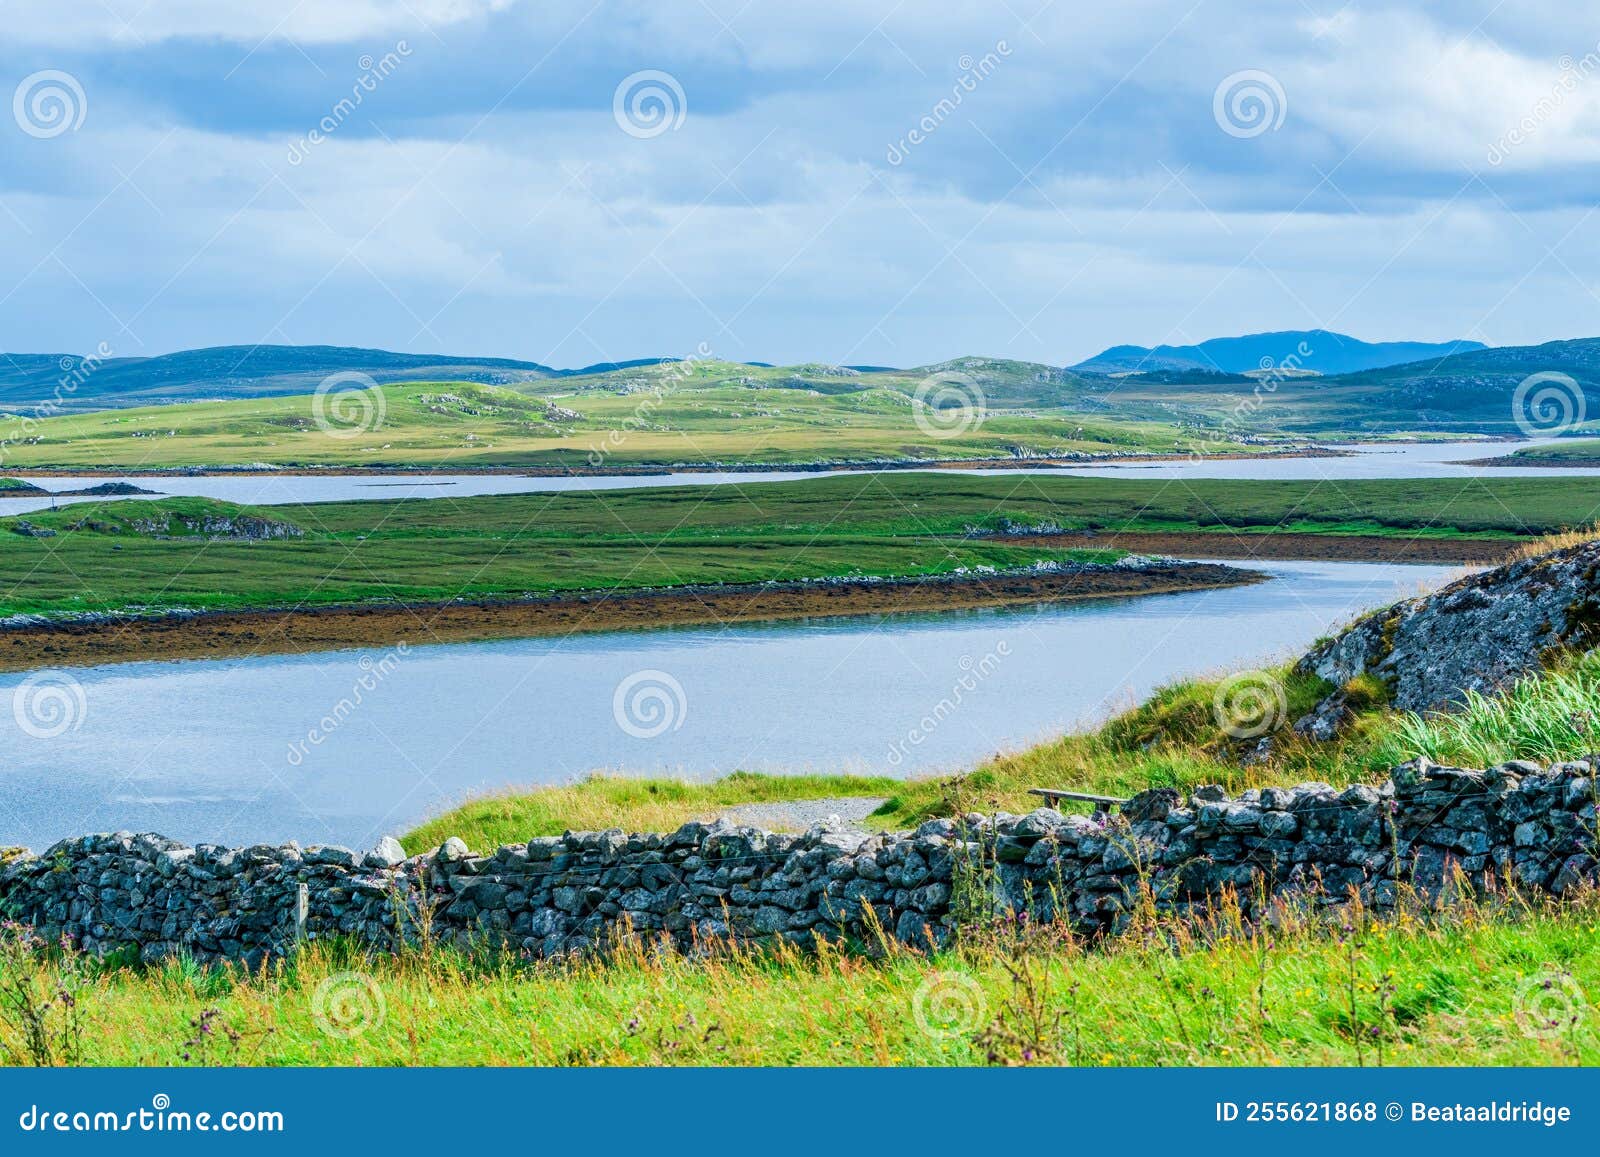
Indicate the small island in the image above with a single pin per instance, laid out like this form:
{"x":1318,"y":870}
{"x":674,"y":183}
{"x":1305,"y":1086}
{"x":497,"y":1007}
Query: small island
{"x":21,"y":488}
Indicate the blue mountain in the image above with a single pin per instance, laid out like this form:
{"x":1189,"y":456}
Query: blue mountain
{"x":1317,"y":350}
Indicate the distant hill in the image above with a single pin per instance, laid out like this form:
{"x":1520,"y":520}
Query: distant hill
{"x":1471,"y":389}
{"x":1318,"y":350}
{"x":1474,"y":391}
{"x":230,"y":372}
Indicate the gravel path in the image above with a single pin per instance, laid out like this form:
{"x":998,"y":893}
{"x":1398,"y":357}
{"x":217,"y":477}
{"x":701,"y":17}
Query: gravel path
{"x":799,"y":815}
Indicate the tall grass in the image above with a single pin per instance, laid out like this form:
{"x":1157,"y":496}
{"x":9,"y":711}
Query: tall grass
{"x":1549,"y":716}
{"x":1485,"y":983}
{"x":1560,"y":540}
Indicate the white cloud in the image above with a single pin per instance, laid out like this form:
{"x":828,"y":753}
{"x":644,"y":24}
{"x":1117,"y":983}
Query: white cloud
{"x":1431,"y":97}
{"x":78,"y":23}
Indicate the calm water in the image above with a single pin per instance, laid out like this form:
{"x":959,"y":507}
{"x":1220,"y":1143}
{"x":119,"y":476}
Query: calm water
{"x":1429,"y":460}
{"x":223,"y":750}
{"x":277,"y":489}
{"x":1441,"y":460}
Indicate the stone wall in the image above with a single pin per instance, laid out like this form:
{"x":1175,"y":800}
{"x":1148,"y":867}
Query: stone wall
{"x":1427,"y":827}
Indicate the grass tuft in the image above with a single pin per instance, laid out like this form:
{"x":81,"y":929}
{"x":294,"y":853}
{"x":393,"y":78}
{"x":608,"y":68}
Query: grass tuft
{"x":1550,"y":716}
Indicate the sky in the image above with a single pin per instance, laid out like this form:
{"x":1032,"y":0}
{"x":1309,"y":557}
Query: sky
{"x":841,"y":181}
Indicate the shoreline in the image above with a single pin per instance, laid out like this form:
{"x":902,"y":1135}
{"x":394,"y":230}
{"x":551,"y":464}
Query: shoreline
{"x":221,"y":634}
{"x":1512,"y":460}
{"x":1284,"y":547}
{"x":866,"y":465}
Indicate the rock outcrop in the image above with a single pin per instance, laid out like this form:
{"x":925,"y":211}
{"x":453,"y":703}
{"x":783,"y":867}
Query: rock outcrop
{"x":1431,"y":828}
{"x":1477,"y":634}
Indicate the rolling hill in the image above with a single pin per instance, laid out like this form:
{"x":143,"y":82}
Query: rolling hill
{"x":75,"y":385}
{"x":1470,"y":392}
{"x":705,"y":410}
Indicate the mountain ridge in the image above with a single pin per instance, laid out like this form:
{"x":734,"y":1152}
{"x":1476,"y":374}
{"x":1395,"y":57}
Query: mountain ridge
{"x":1317,"y":350}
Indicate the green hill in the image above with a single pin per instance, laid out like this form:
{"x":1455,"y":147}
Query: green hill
{"x":67,"y":382}
{"x":694,"y":414}
{"x":1469,"y":392}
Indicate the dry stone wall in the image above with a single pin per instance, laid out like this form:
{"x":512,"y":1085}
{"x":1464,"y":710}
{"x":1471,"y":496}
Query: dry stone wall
{"x":1428,"y":826}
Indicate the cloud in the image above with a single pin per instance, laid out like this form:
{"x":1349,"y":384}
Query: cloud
{"x":131,"y":23}
{"x":1428,"y":97}
{"x":480,"y":197}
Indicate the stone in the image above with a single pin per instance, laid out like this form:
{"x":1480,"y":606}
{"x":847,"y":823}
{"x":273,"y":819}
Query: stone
{"x":1477,"y":634}
{"x":386,"y":854}
{"x":330,"y":854}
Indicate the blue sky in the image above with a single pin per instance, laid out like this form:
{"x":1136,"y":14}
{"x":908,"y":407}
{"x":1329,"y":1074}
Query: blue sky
{"x":816,"y":190}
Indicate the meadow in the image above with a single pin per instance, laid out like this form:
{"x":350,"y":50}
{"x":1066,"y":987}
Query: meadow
{"x":153,"y":554}
{"x":467,"y":426}
{"x":1464,"y":989}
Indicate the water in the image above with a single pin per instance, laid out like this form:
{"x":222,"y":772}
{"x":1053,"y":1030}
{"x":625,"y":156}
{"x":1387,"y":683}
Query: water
{"x":279,"y":489}
{"x":1419,"y":460}
{"x":1434,"y":460}
{"x":223,"y":750}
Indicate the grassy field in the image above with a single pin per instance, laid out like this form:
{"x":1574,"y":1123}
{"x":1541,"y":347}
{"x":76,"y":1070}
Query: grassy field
{"x":707,"y":420}
{"x":116,"y":555}
{"x":1421,"y":990}
{"x":636,"y":804}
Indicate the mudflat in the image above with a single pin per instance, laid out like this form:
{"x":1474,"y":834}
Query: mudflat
{"x":287,"y":631}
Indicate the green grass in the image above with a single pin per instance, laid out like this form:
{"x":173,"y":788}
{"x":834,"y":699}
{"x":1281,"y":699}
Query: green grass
{"x":1570,"y":451}
{"x":1551,"y":716}
{"x":634,"y":804}
{"x":1419,"y":990}
{"x":896,"y":524}
{"x":633,"y":419}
